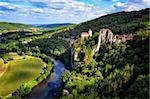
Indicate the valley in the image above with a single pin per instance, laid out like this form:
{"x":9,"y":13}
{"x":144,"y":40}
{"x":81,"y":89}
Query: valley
{"x":77,"y":61}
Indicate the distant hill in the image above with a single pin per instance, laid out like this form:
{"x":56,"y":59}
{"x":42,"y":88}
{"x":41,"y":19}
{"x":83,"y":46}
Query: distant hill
{"x":120,"y":23}
{"x":13,"y":26}
{"x":51,"y":25}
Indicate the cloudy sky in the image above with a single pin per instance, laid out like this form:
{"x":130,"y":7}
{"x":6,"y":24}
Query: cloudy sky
{"x":63,"y":11}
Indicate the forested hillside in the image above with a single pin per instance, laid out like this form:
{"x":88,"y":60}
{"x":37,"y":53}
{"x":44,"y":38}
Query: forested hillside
{"x":51,"y":25}
{"x":116,"y":71}
{"x":119,"y":23}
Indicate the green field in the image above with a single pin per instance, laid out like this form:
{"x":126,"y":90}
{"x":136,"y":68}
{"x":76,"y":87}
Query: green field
{"x":18,"y":72}
{"x":12,"y":26}
{"x":2,"y":68}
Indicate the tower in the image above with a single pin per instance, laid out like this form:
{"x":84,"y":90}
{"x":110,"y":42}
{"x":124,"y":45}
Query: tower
{"x":90,"y":32}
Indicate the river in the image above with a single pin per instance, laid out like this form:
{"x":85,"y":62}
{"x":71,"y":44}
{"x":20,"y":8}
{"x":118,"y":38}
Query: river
{"x":49,"y":87}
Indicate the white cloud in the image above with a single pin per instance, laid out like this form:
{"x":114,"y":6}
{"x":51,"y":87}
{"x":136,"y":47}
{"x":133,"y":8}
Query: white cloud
{"x":59,"y":10}
{"x":67,"y":7}
{"x":6,"y":6}
{"x":142,"y":2}
{"x":37,"y":10}
{"x":3,"y":3}
{"x":147,"y":2}
{"x":115,"y":0}
{"x":119,"y":4}
{"x":53,"y":9}
{"x":131,"y":7}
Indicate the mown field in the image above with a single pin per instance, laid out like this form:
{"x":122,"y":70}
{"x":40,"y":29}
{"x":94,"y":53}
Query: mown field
{"x":19,"y":71}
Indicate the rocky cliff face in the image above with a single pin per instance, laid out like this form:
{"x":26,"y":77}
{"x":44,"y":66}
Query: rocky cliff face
{"x":105,"y":36}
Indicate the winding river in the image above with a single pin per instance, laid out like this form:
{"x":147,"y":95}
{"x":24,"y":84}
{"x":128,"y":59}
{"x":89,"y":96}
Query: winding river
{"x":48,"y":88}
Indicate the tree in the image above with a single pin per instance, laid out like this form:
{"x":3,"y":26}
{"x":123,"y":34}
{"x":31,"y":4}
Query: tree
{"x":66,"y":75}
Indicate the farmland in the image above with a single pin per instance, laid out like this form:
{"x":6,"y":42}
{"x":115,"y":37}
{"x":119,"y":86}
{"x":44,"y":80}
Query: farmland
{"x":19,"y":71}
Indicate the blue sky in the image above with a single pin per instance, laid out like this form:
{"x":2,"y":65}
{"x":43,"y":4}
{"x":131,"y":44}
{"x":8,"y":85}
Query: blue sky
{"x":63,"y":11}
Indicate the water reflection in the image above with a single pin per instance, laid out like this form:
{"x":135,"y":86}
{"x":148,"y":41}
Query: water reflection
{"x":49,"y":89}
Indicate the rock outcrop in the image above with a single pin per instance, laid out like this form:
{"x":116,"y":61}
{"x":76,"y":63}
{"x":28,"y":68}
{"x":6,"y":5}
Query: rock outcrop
{"x":105,"y":36}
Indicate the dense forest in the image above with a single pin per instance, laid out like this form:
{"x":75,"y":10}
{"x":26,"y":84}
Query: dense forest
{"x":115,"y":71}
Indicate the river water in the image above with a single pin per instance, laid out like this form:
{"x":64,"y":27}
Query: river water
{"x":48,"y":88}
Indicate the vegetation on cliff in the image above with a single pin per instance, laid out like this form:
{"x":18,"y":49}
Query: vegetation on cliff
{"x":115,"y":71}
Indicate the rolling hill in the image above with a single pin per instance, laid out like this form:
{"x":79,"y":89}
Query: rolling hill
{"x":120,"y":23}
{"x":51,"y":25}
{"x":13,"y":26}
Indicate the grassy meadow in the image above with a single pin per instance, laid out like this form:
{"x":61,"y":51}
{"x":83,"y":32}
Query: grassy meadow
{"x":19,"y":71}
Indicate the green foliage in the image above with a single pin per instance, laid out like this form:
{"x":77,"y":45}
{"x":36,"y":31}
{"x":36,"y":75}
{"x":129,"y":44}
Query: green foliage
{"x":66,"y":76}
{"x":117,"y":71}
{"x":6,"y":26}
{"x":18,"y":72}
{"x":26,"y":88}
{"x":140,"y":87}
{"x":37,"y":45}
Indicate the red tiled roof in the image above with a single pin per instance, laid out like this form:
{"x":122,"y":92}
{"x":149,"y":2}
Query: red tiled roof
{"x":124,"y":37}
{"x":84,"y":34}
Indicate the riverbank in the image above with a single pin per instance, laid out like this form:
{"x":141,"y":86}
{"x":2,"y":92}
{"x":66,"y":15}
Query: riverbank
{"x":20,"y":70}
{"x":49,"y":87}
{"x":27,"y":87}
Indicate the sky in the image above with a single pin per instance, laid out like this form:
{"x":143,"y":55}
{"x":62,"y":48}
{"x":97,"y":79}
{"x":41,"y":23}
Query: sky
{"x":63,"y":11}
